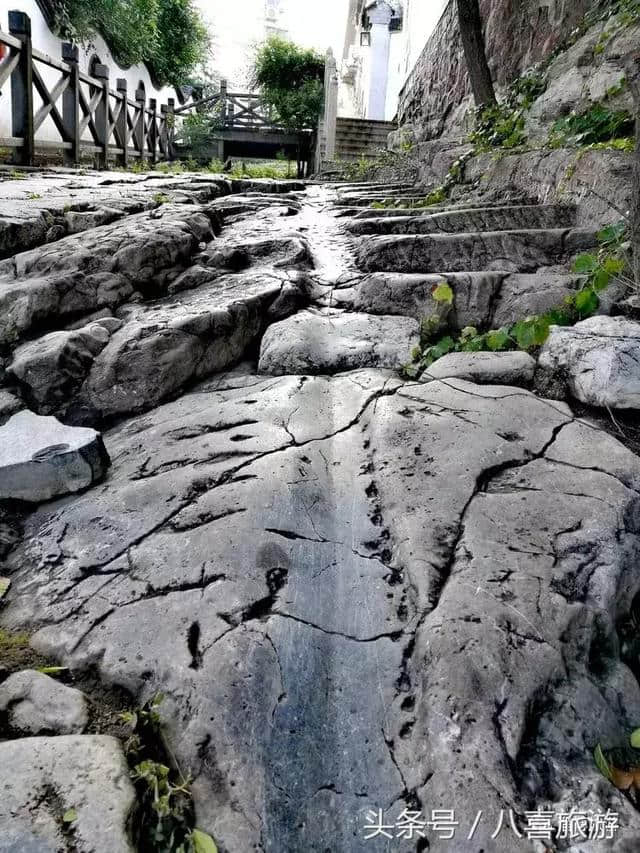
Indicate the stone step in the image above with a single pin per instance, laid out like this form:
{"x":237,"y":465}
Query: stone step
{"x":360,"y":122}
{"x":482,"y":299}
{"x":354,"y":155}
{"x":473,"y":219}
{"x":371,"y":187}
{"x":517,"y":251}
{"x":360,"y":135}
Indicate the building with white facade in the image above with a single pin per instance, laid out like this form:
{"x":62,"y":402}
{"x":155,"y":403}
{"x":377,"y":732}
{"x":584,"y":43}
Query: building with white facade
{"x":382,"y":43}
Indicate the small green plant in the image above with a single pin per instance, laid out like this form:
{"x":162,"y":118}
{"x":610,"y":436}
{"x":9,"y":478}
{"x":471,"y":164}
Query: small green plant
{"x":140,"y":166}
{"x":498,"y":126}
{"x":33,"y":196}
{"x":275,"y":170}
{"x":502,"y":125}
{"x":598,"y":269}
{"x":161,"y":198}
{"x":596,"y":124}
{"x":164,"y":792}
{"x":10,"y":641}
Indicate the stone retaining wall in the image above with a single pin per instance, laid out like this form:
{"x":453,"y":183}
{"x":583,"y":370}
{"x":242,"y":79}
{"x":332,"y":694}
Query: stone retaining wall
{"x":519,"y":33}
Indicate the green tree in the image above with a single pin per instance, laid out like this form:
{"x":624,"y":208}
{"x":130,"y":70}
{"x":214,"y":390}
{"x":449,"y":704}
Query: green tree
{"x":291,"y":81}
{"x":168,"y":35}
{"x":182,"y":43}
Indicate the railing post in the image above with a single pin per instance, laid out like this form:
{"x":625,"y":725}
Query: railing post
{"x":71,"y":104}
{"x":223,"y":102}
{"x":122,"y":123}
{"x":141,"y":124}
{"x":22,"y":88}
{"x":331,"y":107}
{"x":171,"y":127}
{"x":164,"y":132}
{"x":101,"y":72}
{"x":153,"y":106}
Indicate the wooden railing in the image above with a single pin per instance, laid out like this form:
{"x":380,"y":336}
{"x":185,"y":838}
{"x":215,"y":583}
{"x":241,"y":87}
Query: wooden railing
{"x":236,"y":110}
{"x":86,"y":116}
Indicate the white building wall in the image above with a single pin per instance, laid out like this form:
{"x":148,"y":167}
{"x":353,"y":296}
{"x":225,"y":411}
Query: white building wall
{"x":419,"y":20}
{"x":46,"y":42}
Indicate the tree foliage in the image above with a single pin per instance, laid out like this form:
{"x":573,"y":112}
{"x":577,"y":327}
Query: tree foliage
{"x":291,"y":80}
{"x":168,"y":35}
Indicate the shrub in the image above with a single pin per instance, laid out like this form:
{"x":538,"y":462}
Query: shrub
{"x":291,"y":80}
{"x":168,"y":35}
{"x":597,"y":124}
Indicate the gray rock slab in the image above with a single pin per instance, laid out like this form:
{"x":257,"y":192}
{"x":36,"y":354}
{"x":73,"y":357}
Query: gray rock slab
{"x":386,"y":577}
{"x":183,"y":338}
{"x":286,"y":252}
{"x":488,"y":368}
{"x":97,"y":269}
{"x":515,"y":251}
{"x":49,"y":776}
{"x":50,"y":369}
{"x":35,"y":703}
{"x":41,"y":458}
{"x":315,"y":342}
{"x":597,"y":361}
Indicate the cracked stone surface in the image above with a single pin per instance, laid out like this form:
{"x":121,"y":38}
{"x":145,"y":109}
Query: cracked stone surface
{"x":332,"y":342}
{"x":355,"y":592}
{"x":318,"y":551}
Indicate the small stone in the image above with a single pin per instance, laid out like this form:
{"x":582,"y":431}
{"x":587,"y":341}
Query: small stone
{"x":88,"y":774}
{"x":37,"y":704}
{"x":9,"y":405}
{"x":485,"y":368}
{"x":597,"y":361}
{"x":41,"y":458}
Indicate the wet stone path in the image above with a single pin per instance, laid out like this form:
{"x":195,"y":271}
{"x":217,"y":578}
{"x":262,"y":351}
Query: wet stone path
{"x":355,"y":592}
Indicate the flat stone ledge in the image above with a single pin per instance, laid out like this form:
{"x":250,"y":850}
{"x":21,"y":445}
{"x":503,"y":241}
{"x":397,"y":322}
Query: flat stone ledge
{"x":485,"y":368}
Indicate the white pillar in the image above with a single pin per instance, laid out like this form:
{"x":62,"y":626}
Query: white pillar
{"x":326,"y":145}
{"x":380,"y":16}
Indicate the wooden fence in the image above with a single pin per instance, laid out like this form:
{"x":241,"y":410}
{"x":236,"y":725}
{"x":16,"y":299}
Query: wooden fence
{"x":88,"y":116}
{"x":241,"y":110}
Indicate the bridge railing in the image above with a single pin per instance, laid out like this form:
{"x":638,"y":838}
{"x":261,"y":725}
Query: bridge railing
{"x":239,"y":110}
{"x":56,"y":106}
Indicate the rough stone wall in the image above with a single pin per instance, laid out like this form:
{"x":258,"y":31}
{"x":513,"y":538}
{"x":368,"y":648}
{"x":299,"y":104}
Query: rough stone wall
{"x":518,"y":34}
